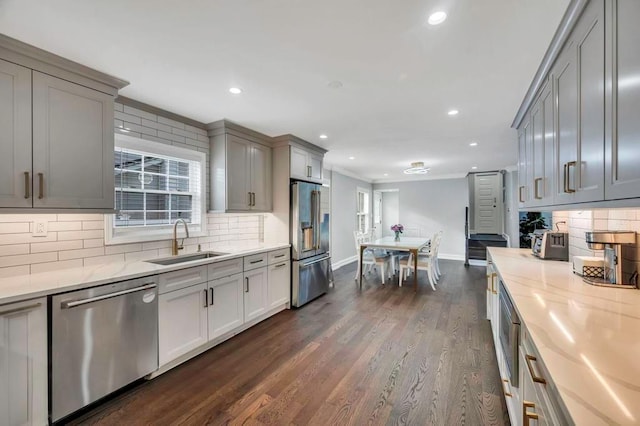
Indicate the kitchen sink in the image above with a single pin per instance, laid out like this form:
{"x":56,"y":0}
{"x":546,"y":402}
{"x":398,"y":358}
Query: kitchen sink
{"x":186,"y":258}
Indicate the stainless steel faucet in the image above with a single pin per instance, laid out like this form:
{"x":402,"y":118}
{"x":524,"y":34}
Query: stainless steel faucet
{"x":174,"y":246}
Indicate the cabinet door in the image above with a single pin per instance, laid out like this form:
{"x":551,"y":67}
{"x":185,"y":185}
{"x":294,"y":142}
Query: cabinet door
{"x":622,"y":153}
{"x":524,"y":155}
{"x":238,"y":173}
{"x":72,"y":145}
{"x":565,"y":78}
{"x":226,"y":308}
{"x":298,"y":164}
{"x":315,"y":162}
{"x":261,"y":177}
{"x":23,"y":363}
{"x":255,"y":293}
{"x":182,"y":321}
{"x":279,"y":284}
{"x":15,"y":135}
{"x":589,"y":33}
{"x":532,"y":405}
{"x":542,"y":149}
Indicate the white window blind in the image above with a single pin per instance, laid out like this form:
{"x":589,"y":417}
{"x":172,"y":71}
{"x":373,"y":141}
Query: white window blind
{"x":155,"y":185}
{"x":363,"y":211}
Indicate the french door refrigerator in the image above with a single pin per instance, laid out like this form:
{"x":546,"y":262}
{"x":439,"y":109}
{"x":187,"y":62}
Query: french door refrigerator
{"x":309,"y":243}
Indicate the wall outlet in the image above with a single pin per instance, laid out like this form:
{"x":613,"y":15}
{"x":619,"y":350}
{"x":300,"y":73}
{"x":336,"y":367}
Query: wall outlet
{"x":40,"y":228}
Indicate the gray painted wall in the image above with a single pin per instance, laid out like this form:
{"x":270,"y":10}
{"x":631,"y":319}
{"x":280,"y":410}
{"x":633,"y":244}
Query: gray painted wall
{"x":512,"y":223}
{"x":432,"y":205}
{"x":390,"y":212}
{"x":343,"y":215}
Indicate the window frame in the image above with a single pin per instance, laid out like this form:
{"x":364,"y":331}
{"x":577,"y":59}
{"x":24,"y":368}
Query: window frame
{"x":366,"y":213}
{"x":137,"y":234}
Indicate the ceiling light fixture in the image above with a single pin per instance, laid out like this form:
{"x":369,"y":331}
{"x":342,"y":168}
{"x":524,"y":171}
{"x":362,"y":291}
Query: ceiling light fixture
{"x":235,"y":90}
{"x":386,"y":174}
{"x":453,"y":112}
{"x":437,"y":18}
{"x":323,"y":136}
{"x":473,"y":144}
{"x":474,"y":168}
{"x":416,"y":168}
{"x":352,"y":158}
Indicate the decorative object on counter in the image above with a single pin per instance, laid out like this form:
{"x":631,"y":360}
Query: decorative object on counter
{"x":550,"y":245}
{"x":615,"y":270}
{"x":397,"y":229}
{"x":588,"y":266}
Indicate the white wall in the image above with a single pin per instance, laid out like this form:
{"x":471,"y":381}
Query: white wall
{"x":432,"y":205}
{"x":343,"y":216}
{"x":390,"y":211}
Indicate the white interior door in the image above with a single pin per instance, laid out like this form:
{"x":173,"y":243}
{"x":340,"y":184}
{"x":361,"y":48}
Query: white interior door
{"x":377,"y":214}
{"x":488,"y":203}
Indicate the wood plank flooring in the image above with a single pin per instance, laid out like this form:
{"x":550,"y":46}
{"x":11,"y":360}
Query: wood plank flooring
{"x":383,"y":355}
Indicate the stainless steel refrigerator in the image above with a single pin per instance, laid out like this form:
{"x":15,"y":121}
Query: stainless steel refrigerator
{"x":309,"y":242}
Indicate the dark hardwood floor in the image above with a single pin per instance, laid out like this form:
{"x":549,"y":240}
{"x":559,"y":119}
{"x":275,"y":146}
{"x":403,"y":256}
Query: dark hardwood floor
{"x":383,"y":355}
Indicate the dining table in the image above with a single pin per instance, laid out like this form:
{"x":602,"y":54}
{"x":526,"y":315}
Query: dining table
{"x":410,"y":244}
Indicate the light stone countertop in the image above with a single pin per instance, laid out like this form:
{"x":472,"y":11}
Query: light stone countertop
{"x":25,"y":287}
{"x":588,"y":337}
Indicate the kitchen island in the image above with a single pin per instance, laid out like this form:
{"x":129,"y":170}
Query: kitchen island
{"x":585,"y":336}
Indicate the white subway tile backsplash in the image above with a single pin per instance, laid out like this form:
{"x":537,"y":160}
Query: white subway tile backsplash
{"x":80,"y":235}
{"x":81,"y":253}
{"x":141,"y":255}
{"x":55,"y":266}
{"x":12,"y":271}
{"x":102,"y":260}
{"x":95,"y":242}
{"x":126,"y":117}
{"x":122,"y":248}
{"x":93,"y":224}
{"x":65,"y":226}
{"x":14,"y":249}
{"x":14,"y":228}
{"x":56,"y":246}
{"x":27,"y":259}
{"x":170,"y":122}
{"x":26,"y":238}
{"x":139,"y":113}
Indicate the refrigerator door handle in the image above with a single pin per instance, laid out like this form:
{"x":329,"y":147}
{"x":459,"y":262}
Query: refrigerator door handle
{"x":318,"y":218}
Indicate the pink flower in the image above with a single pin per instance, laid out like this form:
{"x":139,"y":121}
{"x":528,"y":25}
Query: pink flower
{"x":397,"y":228}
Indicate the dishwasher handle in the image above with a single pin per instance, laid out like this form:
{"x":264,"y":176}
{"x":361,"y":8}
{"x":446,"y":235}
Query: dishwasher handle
{"x":75,"y":303}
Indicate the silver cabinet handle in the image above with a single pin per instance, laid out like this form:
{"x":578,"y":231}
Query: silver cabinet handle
{"x":247,"y":289}
{"x":206,"y":298}
{"x":249,"y":202}
{"x":569,"y":165}
{"x":535,"y":188}
{"x":27,"y":185}
{"x":74,"y":303}
{"x":253,"y":199}
{"x":40,"y":185}
{"x":253,"y":262}
{"x":281,"y":265}
{"x":24,"y":308}
{"x":520,"y":196}
{"x":211,"y":293}
{"x":279,"y":255}
{"x":304,"y":265}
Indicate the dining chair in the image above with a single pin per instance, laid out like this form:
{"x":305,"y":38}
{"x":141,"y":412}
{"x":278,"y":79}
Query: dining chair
{"x":371,"y":258}
{"x":427,"y":251}
{"x":425,"y":263}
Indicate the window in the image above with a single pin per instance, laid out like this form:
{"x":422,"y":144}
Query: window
{"x":155,"y":184}
{"x":363,"y":210}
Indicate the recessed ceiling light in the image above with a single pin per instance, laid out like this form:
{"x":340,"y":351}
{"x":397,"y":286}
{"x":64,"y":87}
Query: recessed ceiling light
{"x":437,"y":18}
{"x":235,"y":90}
{"x":386,"y":174}
{"x":474,"y":168}
{"x":453,"y":112}
{"x":416,"y":168}
{"x":473,"y":144}
{"x":352,"y":158}
{"x":323,"y":136}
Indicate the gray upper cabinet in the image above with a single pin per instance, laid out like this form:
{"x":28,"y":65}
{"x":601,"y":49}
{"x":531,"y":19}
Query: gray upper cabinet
{"x":240,"y":171}
{"x":622,"y":178}
{"x":15,"y":135}
{"x":305,"y":164}
{"x":541,"y":158}
{"x":56,"y":132}
{"x":523,"y":162}
{"x":72,"y":145}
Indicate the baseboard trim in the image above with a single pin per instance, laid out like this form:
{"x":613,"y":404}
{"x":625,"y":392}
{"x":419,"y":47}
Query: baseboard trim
{"x":344,"y":262}
{"x":451,"y":256}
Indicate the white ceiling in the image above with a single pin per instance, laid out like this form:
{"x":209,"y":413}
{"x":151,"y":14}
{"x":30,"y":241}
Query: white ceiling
{"x":400,"y":76}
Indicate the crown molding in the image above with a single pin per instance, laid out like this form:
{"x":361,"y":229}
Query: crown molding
{"x":348,"y":173}
{"x":423,"y":178}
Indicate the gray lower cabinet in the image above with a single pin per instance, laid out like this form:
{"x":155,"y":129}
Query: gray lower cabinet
{"x":256,"y":299}
{"x":23,"y":363}
{"x":623,"y":131}
{"x":279,"y":279}
{"x":182,"y":322}
{"x":15,"y":135}
{"x":226,"y":305}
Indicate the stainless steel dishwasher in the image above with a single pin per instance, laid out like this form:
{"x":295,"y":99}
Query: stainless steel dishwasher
{"x":102,"y":339}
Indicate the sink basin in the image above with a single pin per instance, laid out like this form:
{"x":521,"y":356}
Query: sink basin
{"x":185,"y":258}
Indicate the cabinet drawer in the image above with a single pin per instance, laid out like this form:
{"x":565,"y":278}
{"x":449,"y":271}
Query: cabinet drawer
{"x":180,"y":279}
{"x":255,"y":261}
{"x":224,"y":269}
{"x":277,"y":256}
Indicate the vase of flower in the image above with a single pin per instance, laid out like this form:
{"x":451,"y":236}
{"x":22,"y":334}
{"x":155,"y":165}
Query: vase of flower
{"x":397,"y":230}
